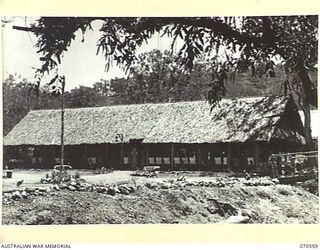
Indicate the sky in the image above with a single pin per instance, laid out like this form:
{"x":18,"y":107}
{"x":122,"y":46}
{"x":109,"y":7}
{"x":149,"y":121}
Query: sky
{"x":80,"y":64}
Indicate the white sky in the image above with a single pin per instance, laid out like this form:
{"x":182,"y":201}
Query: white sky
{"x":80,"y":64}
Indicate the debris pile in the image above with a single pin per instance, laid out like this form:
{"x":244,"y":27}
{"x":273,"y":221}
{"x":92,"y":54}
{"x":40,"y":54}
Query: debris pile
{"x":145,"y":173}
{"x":23,"y":193}
{"x":219,"y":182}
{"x":75,"y":185}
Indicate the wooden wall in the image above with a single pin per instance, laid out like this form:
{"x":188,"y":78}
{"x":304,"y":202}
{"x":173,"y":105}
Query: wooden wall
{"x":209,"y":157}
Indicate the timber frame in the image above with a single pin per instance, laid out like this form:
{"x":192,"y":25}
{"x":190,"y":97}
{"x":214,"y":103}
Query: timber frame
{"x":221,"y":157}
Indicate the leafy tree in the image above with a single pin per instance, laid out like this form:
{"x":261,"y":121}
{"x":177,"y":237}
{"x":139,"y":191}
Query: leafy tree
{"x":257,"y":40}
{"x":103,"y":87}
{"x":82,"y":97}
{"x":12,"y":111}
{"x":157,"y":77}
{"x":19,"y":97}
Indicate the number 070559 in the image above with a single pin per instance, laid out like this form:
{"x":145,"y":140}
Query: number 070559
{"x":309,"y":246}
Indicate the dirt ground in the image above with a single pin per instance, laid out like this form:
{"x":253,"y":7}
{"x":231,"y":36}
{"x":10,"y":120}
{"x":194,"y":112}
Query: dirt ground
{"x":31,"y":178}
{"x":153,"y":202}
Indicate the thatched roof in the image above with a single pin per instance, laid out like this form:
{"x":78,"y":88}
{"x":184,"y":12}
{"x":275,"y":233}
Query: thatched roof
{"x":234,"y":120}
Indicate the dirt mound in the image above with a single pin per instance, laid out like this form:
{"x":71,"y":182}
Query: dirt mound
{"x":161,"y":202}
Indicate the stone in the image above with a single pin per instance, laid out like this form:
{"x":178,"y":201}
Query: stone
{"x":73,"y":183}
{"x":111,"y":191}
{"x":123,"y":190}
{"x":125,"y":187}
{"x":85,"y":185}
{"x":16,"y":195}
{"x":275,"y":181}
{"x":30,"y":190}
{"x":7,"y":194}
{"x":150,"y":185}
{"x":63,"y":186}
{"x":221,"y":184}
{"x":71,"y":188}
{"x":24,"y":194}
{"x":165,"y":185}
{"x":117,"y":190}
{"x":42,"y":189}
{"x":132,"y":189}
{"x":183,"y":184}
{"x":101,"y":189}
{"x":214,"y":184}
{"x":92,"y":188}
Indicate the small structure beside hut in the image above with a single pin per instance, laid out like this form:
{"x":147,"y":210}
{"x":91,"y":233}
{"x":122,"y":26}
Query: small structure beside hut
{"x":237,"y":135}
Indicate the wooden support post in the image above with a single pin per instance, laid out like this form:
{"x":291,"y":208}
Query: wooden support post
{"x":256,"y":157}
{"x":229,"y":154}
{"x":85,"y":156}
{"x":106,"y":155}
{"x":172,"y":156}
{"x":121,"y":155}
{"x":199,"y":158}
{"x":146,"y":154}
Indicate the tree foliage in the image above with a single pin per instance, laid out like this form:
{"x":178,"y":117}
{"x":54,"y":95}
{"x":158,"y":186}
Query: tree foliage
{"x":20,"y":96}
{"x":291,"y":38}
{"x":157,"y":77}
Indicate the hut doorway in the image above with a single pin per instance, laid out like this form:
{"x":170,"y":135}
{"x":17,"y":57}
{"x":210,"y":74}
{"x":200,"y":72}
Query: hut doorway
{"x":115,"y":156}
{"x":135,"y":153}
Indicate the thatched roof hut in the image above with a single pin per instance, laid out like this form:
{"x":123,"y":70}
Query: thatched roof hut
{"x":233,"y":120}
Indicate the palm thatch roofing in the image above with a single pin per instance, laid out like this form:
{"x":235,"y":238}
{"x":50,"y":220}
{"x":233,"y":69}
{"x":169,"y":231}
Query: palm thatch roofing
{"x":233,"y":120}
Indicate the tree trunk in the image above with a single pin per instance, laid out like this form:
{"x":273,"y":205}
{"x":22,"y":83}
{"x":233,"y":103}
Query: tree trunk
{"x":307,"y":126}
{"x":306,"y":98}
{"x":307,"y":129}
{"x":308,"y":86}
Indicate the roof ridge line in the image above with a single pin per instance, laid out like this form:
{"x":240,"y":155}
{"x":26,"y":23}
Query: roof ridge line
{"x":158,"y":103}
